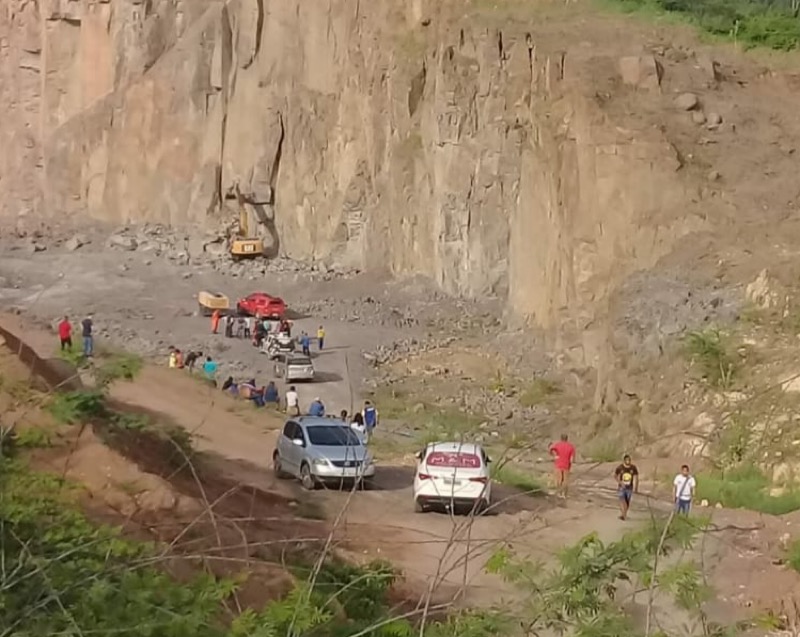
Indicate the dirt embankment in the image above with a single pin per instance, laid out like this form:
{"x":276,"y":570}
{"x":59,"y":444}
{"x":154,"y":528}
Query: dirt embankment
{"x":156,"y":488}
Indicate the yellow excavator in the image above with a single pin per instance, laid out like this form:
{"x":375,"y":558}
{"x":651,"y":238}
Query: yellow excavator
{"x":244,"y":244}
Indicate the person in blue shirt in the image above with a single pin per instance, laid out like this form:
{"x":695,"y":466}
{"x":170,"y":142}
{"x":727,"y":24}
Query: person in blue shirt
{"x":305,"y":343}
{"x":370,"y":416}
{"x":210,"y":370}
{"x":316,"y":408}
{"x":271,"y":394}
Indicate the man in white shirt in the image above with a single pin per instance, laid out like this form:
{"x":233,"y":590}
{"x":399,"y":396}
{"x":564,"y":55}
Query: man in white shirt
{"x":684,"y":486}
{"x":292,"y":402}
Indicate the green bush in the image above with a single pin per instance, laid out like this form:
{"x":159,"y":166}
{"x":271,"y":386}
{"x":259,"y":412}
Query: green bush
{"x":709,"y":350}
{"x":769,"y":23}
{"x":77,"y":406}
{"x":505,"y":474}
{"x":538,"y":392}
{"x":745,"y":487}
{"x":118,"y":366}
{"x":793,"y":555}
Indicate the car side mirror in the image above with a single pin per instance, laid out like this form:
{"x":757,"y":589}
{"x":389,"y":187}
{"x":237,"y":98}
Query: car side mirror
{"x":418,"y":455}
{"x":298,"y":442}
{"x":488,"y":459}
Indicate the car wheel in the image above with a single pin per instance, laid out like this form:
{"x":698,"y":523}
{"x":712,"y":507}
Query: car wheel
{"x":419,"y":507}
{"x":306,"y":479}
{"x":277,"y":468}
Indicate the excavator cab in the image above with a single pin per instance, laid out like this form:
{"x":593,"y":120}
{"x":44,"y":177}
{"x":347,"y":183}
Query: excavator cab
{"x":244,"y":245}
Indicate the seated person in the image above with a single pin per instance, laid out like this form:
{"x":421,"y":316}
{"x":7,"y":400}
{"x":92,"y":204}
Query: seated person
{"x":316,"y":408}
{"x":230,"y":387}
{"x":249,"y":391}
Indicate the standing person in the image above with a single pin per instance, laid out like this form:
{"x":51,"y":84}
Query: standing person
{"x":343,"y":416}
{"x":321,"y":337}
{"x":249,"y":324}
{"x":173,"y":358}
{"x":215,"y":316}
{"x":178,"y":358}
{"x":191,"y":359}
{"x":683,"y":493}
{"x":292,"y":402}
{"x":87,"y":327}
{"x":210,"y":370}
{"x":65,"y":333}
{"x":563,"y":453}
{"x":627,"y":476}
{"x":229,"y":320}
{"x":370,"y":418}
{"x":305,"y":343}
{"x":358,"y":426}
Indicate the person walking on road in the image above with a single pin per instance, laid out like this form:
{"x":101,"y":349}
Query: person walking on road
{"x":683,"y":492}
{"x":65,"y":333}
{"x":87,"y":328}
{"x":627,"y":476}
{"x":563,"y":453}
{"x":305,"y":343}
{"x":321,"y":337}
{"x":292,"y":402}
{"x":215,"y":316}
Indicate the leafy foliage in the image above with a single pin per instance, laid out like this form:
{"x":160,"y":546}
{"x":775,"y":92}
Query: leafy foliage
{"x":118,"y":366}
{"x":745,"y":487}
{"x":582,"y":595}
{"x":77,"y":406}
{"x":63,"y":575}
{"x":769,"y":23}
{"x":709,"y":350}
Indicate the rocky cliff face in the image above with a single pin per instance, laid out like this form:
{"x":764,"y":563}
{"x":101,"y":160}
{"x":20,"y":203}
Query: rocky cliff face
{"x":497,"y":155}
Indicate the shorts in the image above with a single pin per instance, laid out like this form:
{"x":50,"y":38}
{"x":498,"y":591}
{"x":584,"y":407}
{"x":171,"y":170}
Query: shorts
{"x":625,"y":494}
{"x":683,"y":506}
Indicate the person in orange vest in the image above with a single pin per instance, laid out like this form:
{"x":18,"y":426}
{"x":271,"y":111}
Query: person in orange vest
{"x":215,"y":322}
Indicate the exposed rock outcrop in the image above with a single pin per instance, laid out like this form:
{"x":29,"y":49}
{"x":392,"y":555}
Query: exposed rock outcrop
{"x":409,"y":137}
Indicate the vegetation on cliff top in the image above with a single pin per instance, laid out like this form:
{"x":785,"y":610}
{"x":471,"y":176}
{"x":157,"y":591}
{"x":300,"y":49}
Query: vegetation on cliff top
{"x":769,"y":23}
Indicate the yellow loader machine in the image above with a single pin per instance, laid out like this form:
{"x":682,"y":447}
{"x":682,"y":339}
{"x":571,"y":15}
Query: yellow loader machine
{"x":244,"y":244}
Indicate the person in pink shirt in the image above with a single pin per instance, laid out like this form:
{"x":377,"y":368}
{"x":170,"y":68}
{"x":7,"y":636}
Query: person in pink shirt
{"x":563,"y":453}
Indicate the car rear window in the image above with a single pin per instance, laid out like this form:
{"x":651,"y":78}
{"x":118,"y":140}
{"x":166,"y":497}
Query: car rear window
{"x":453,"y":459}
{"x":299,"y":361}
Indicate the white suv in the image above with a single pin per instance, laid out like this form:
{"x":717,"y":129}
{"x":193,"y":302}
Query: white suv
{"x":452,"y":474}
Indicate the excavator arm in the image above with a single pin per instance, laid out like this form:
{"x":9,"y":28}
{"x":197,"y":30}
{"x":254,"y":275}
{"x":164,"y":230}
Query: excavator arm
{"x":245,"y":245}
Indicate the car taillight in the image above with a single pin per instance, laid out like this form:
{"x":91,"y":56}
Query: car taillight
{"x":482,"y":480}
{"x":425,"y":476}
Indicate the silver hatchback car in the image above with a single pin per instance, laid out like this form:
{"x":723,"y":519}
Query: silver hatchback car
{"x":320,"y":450}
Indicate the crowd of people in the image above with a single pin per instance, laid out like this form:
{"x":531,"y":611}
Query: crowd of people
{"x":626,"y":476}
{"x":363,"y":422}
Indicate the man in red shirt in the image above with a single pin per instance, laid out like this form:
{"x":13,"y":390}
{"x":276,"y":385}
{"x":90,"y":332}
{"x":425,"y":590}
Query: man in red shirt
{"x":65,"y":333}
{"x":563,"y":453}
